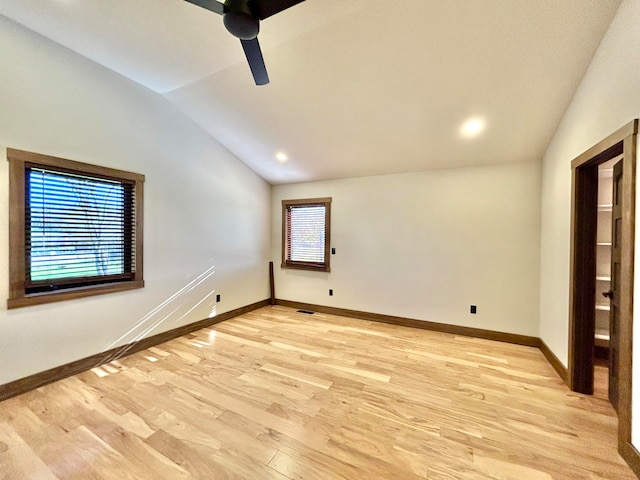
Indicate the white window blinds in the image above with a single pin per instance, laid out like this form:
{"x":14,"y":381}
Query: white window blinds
{"x":306,"y":234}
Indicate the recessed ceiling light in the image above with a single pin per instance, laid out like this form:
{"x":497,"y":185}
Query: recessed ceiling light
{"x":282,"y":157}
{"x":472,"y":127}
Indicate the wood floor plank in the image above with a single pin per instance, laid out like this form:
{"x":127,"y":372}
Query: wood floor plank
{"x":189,"y":456}
{"x":18,"y":460}
{"x":276,"y":394}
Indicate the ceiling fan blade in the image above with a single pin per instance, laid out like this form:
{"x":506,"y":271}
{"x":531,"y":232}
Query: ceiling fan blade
{"x":256,"y":61}
{"x":211,"y":5}
{"x":265,"y":8}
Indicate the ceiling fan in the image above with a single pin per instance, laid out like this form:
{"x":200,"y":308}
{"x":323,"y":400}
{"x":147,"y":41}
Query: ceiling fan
{"x":242,"y":20}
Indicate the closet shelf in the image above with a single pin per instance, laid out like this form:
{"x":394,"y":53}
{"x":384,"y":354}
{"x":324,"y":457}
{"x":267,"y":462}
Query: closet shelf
{"x":604,"y":251}
{"x":602,"y":337}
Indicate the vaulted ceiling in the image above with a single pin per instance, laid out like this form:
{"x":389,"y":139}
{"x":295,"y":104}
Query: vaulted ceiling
{"x":358,"y":87}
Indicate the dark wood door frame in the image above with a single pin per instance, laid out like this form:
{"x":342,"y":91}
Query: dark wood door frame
{"x":583,"y":259}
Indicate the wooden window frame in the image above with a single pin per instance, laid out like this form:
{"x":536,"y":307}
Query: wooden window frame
{"x":19,"y":162}
{"x":309,"y":202}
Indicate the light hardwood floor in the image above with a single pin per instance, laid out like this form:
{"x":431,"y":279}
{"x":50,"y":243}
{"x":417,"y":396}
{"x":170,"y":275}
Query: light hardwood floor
{"x":601,"y":379}
{"x":276,"y":394}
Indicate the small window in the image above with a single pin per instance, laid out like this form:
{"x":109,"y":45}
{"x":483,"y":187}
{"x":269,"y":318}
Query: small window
{"x":305,"y":234}
{"x":75,"y":229}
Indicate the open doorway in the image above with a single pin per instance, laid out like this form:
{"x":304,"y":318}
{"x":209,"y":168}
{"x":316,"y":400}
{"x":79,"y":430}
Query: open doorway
{"x":589,"y":278}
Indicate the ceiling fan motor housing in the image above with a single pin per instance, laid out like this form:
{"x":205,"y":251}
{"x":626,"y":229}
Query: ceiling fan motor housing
{"x":240,"y":21}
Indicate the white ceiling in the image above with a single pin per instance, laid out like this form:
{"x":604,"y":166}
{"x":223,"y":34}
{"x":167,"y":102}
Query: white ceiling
{"x":358,"y":87}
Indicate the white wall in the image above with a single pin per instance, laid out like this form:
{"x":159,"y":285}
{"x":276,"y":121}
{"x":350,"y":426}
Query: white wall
{"x":607,"y":99}
{"x":427,"y":245}
{"x":204,"y":209}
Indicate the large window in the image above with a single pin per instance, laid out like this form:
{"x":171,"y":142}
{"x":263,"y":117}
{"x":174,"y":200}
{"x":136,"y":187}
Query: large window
{"x":305,"y":234}
{"x":75,"y":229}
